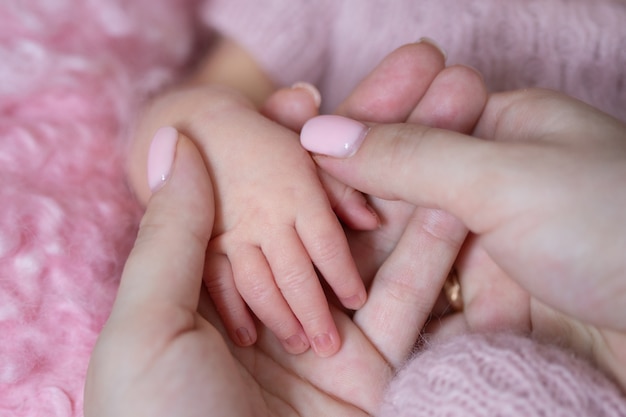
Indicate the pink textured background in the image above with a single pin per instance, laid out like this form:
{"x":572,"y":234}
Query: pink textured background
{"x":71,"y":75}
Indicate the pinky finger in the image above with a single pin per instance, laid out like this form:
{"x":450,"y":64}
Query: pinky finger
{"x":255,"y":283}
{"x":218,"y":278}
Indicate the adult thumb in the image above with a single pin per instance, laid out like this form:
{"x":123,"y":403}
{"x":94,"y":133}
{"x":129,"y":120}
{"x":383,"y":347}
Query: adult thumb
{"x":167,"y":260}
{"x":414,"y":163}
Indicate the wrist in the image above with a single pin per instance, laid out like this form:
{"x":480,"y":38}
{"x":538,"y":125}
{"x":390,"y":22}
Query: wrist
{"x":230,"y":65}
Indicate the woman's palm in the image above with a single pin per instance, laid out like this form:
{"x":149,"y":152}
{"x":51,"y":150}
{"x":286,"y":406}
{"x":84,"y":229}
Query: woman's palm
{"x":175,"y":356}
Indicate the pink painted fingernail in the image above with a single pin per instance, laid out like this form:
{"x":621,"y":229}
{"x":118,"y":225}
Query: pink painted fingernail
{"x":333,"y":135}
{"x":161,"y":157}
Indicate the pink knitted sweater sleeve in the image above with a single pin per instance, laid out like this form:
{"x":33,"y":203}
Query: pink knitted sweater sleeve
{"x":575,"y":46}
{"x":279,"y":34}
{"x":500,"y":375}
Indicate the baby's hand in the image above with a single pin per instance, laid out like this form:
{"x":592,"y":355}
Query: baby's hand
{"x":274,"y":224}
{"x":292,"y":107}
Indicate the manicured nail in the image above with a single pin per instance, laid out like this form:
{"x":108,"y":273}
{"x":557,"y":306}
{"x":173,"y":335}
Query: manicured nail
{"x":333,"y":135}
{"x":311,"y":89}
{"x":161,"y":157}
{"x":436,"y":45}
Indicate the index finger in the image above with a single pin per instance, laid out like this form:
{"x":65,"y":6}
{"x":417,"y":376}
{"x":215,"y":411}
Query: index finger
{"x":166,"y":263}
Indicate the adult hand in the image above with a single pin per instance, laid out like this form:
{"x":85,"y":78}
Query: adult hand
{"x":409,"y":256}
{"x":544,"y":197}
{"x":158,"y":356}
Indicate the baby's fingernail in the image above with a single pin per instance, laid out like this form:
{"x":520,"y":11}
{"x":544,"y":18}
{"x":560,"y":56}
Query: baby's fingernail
{"x":436,"y":45}
{"x":296,"y":344}
{"x":243,"y":335}
{"x":311,"y":89}
{"x":161,"y":157}
{"x":323,"y":345}
{"x":333,"y":135}
{"x":354,"y":302}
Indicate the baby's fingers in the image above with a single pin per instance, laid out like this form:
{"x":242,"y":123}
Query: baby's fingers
{"x":220,"y":284}
{"x":349,"y":205}
{"x":300,"y":286}
{"x":255,"y":283}
{"x":328,"y":248}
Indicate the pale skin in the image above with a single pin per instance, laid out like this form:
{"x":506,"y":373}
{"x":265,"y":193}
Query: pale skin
{"x":544,"y":198}
{"x":275,"y":223}
{"x":165,"y":353}
{"x":409,"y":256}
{"x":237,"y":253}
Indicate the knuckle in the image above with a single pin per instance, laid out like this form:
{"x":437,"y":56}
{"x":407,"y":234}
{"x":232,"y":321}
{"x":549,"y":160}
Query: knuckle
{"x":444,"y":227}
{"x":327,"y":251}
{"x":404,"y":290}
{"x":294,"y":281}
{"x":254,"y":290}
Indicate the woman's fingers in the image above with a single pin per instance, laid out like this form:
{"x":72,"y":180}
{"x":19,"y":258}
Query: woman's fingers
{"x":414,"y":163}
{"x":454,"y":101}
{"x":412,"y":84}
{"x":167,"y":261}
{"x":552,"y":166}
{"x":393,"y":89}
{"x":440,"y":168}
{"x":409,"y":281}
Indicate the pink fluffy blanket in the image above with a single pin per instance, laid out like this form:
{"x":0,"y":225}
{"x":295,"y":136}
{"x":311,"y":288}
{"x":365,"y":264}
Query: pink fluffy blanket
{"x":71,"y":77}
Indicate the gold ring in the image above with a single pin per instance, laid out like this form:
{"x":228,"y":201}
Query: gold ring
{"x":452,"y":290}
